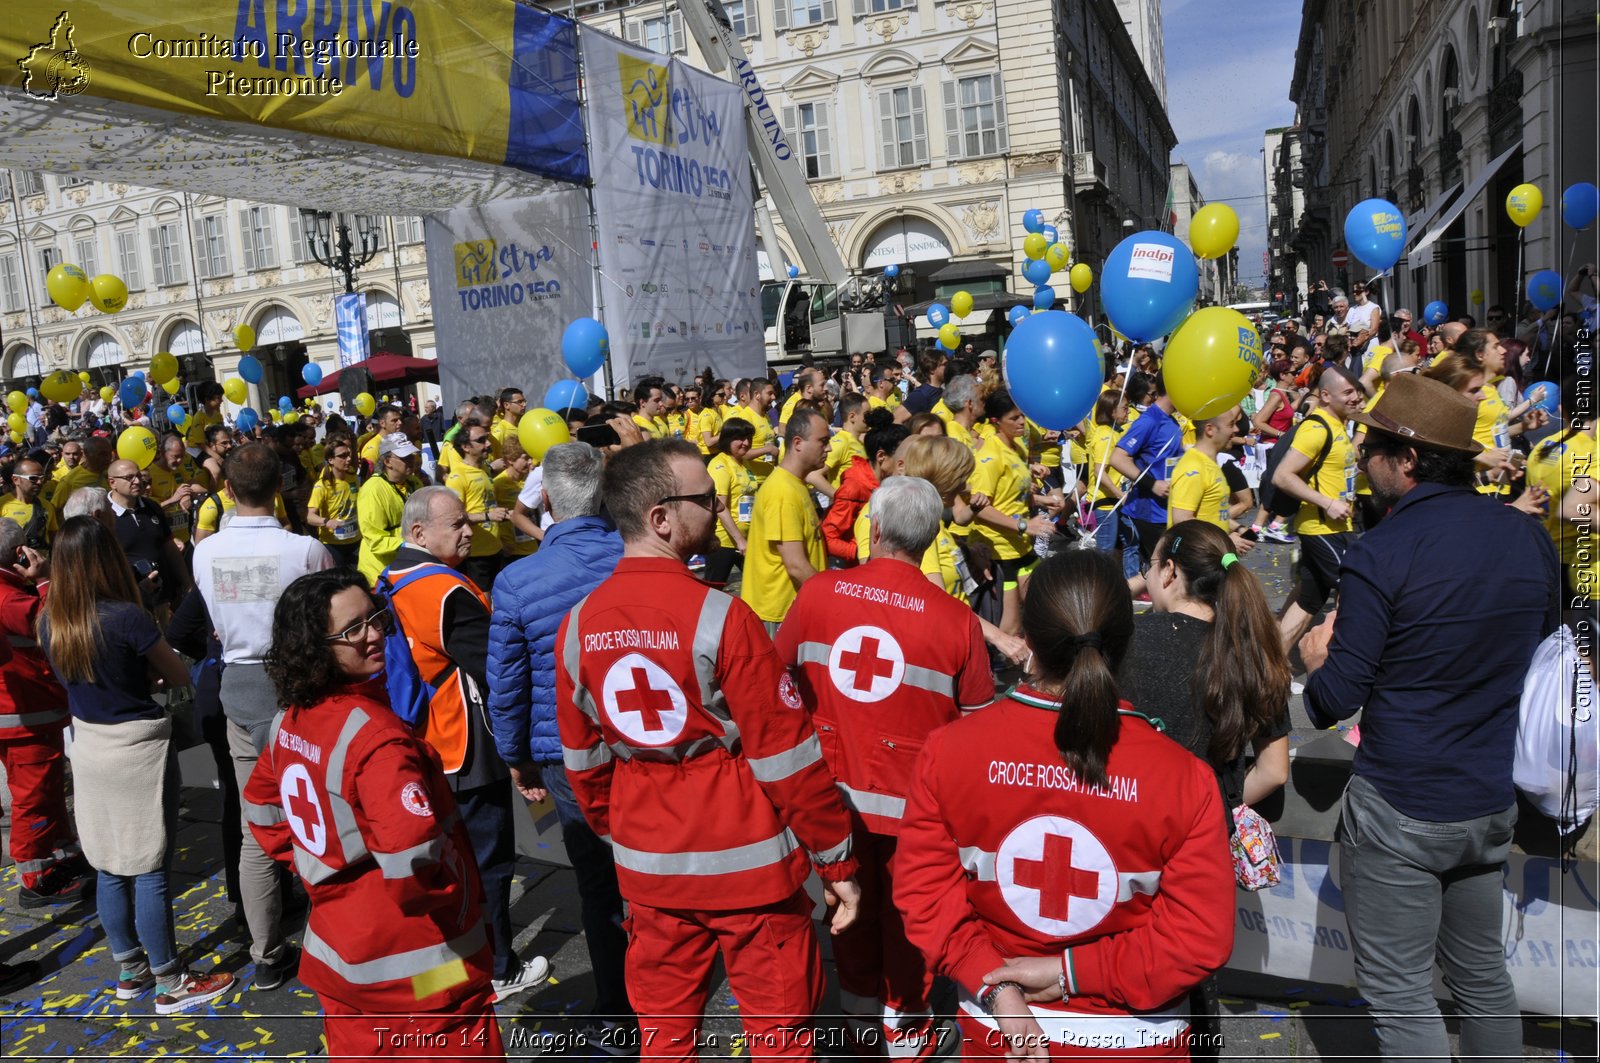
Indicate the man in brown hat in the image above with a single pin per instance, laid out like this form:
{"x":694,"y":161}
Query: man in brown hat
{"x":1441,"y":607}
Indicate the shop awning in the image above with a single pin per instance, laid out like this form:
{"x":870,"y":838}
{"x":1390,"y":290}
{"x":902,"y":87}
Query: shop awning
{"x":1415,"y":257}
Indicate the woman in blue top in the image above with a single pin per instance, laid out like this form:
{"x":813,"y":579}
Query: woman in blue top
{"x":104,"y":648}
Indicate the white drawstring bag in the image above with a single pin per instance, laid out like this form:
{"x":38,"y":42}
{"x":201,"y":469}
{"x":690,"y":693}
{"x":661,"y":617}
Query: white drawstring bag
{"x":1557,"y":762}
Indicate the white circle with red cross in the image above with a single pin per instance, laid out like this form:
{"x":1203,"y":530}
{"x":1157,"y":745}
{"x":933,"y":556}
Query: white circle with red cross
{"x":303,"y":807}
{"x":1056,"y":876}
{"x":643,"y":702}
{"x":866,"y":664}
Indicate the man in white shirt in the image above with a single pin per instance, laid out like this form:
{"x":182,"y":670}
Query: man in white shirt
{"x":241,"y":571}
{"x":1362,"y":320}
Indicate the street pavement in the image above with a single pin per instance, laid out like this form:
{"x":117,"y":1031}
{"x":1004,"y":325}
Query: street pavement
{"x":72,"y":1014}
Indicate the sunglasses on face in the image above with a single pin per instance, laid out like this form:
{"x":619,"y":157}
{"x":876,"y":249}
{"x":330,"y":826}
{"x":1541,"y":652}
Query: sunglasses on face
{"x":31,"y":477}
{"x":705,"y":500}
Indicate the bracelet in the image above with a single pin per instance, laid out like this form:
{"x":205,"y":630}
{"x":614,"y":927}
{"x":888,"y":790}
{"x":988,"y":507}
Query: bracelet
{"x":987,"y":998}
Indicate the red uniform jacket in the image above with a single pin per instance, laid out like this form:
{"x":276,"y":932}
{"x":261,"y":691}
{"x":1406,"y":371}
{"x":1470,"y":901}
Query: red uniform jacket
{"x":884,"y":657}
{"x":362,"y":810}
{"x":688,"y":746}
{"x":30,"y":698}
{"x":1004,"y":853}
{"x":839,"y":523}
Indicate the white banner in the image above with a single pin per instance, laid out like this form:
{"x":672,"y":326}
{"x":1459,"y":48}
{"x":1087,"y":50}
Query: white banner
{"x":676,"y":215}
{"x":506,"y":279}
{"x":1298,"y":928}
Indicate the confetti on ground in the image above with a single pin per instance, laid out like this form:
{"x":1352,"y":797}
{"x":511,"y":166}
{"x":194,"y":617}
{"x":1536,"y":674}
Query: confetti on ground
{"x":1270,"y":1036}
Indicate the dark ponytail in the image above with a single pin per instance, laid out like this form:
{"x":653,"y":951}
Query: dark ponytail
{"x":1242,"y":684}
{"x":1078,"y":617}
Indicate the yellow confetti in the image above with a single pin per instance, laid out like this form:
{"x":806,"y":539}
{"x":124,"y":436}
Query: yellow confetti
{"x":1301,"y":1004}
{"x":1271,"y":1036}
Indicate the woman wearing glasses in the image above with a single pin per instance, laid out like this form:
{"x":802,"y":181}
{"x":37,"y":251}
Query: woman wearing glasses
{"x":332,"y":506}
{"x":346,"y":795}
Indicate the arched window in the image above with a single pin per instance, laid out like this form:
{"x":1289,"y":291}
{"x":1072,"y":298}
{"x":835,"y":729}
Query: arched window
{"x":104,"y":350}
{"x":25,"y":362}
{"x":278,"y":325}
{"x":184,"y":338}
{"x":383,"y":311}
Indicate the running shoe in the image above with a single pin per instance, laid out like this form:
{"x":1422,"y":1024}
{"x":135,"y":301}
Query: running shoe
{"x":191,"y":990}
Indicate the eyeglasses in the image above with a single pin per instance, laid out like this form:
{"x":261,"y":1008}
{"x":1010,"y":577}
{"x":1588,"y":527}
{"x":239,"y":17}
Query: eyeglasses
{"x":477,"y":441}
{"x":705,"y":500}
{"x":31,"y":477}
{"x":130,"y":479}
{"x":378,"y":621}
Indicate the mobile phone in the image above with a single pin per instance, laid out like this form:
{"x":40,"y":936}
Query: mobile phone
{"x":599,"y":435}
{"x":1251,"y":534}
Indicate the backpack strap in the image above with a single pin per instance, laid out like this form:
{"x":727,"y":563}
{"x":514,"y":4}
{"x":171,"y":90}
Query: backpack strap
{"x":398,"y":583}
{"x":1322,"y":452}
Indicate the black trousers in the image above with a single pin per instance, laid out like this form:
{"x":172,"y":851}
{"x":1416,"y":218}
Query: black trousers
{"x":486,"y":811}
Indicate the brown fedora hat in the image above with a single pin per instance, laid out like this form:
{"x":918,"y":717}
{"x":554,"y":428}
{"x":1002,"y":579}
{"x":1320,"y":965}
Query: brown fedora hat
{"x":1424,"y":412}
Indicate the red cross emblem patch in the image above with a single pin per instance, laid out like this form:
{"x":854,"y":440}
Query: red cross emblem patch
{"x":1056,"y":875}
{"x":643,"y":702}
{"x":303,"y":807}
{"x":866,"y":664}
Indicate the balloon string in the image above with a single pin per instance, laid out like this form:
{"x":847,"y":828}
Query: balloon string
{"x":1100,"y":474}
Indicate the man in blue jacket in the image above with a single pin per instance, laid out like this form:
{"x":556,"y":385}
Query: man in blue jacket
{"x":531,"y":598}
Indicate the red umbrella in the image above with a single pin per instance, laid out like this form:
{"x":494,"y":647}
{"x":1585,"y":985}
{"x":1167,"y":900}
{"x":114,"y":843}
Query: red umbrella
{"x":384,"y":369}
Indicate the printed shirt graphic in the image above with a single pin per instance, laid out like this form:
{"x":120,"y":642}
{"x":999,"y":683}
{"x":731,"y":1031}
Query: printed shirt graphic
{"x":237,"y":580}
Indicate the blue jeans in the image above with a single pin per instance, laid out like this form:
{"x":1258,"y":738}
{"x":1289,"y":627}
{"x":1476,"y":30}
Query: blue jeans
{"x":599,"y":897}
{"x":1115,"y":531}
{"x":137,"y":915}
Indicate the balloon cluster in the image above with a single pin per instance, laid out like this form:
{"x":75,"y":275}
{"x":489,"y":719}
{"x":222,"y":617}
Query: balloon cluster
{"x":69,"y":287}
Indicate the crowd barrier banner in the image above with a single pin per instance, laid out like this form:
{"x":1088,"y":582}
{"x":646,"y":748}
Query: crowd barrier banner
{"x":676,"y":216}
{"x":505,"y":280}
{"x":1298,"y":930}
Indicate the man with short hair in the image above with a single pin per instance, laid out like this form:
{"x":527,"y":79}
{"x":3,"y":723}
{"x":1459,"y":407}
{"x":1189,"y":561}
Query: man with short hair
{"x":846,"y":443}
{"x":219,"y":440}
{"x":933,"y":365}
{"x":1433,"y":655}
{"x":785,"y":546}
{"x":880,"y":670}
{"x":445,"y":618}
{"x":385,"y":422}
{"x":807,"y":388}
{"x":145,"y":535}
{"x":756,"y":396}
{"x":91,"y":472}
{"x":648,"y":396}
{"x":1199,"y":487}
{"x":512,"y":404}
{"x":26,"y":508}
{"x":1363,"y":317}
{"x":242,"y":571}
{"x":469,"y":478}
{"x":671,"y":699}
{"x":531,"y":598}
{"x":381,"y":503}
{"x":1400,"y":324}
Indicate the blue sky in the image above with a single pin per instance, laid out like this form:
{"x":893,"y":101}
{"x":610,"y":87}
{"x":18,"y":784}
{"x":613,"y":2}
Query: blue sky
{"x":1228,"y":70}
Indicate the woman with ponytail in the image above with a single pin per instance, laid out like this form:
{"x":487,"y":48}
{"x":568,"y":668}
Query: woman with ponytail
{"x":1060,"y":860}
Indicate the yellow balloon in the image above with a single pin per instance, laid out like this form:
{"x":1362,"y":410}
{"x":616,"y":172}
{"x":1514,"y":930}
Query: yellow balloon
{"x":1213,"y":230}
{"x":17,"y":401}
{"x":1211,"y":362}
{"x":68,"y":286}
{"x":1524,"y":204}
{"x":16,"y":437}
{"x":961,"y":304}
{"x":1034,"y":245}
{"x":83,"y":375}
{"x":1477,"y":297}
{"x":138,"y":445}
{"x":244,"y":337}
{"x":1082,"y":277}
{"x":108,"y":294}
{"x":949,"y":335}
{"x":236,"y":390}
{"x":291,"y":418}
{"x":163,"y":366}
{"x":61,"y":386}
{"x":1057,"y":255}
{"x":18,"y":422}
{"x":172,"y":386}
{"x":539,"y":430}
{"x":107,"y":393}
{"x":365,"y":404}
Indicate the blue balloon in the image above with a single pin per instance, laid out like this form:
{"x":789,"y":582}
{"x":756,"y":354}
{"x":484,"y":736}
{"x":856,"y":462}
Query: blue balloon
{"x":1375,"y":232}
{"x":247,"y":419}
{"x":1052,"y":369}
{"x":311,"y":374}
{"x":177,"y":414}
{"x":938,"y":314}
{"x":1016,"y":314}
{"x":1051,"y":234}
{"x":132,"y":392}
{"x":1544,"y":289}
{"x":1148,"y":285}
{"x":285,"y":403}
{"x":1551,"y":399}
{"x":1436,"y":313}
{"x":1033,"y":221}
{"x":1044,"y":297}
{"x":1580,"y":204}
{"x":1036,"y":271}
{"x":891,"y":270}
{"x":584,"y":346}
{"x":33,"y":393}
{"x":250,"y":369}
{"x":794,"y":271}
{"x":565,"y":395}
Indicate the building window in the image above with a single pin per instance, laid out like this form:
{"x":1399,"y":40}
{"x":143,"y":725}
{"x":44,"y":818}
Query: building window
{"x":408,"y":230}
{"x":211,"y":247}
{"x":166,"y":254}
{"x":49,"y":259}
{"x":5,"y":184}
{"x":128,"y":261}
{"x":974,"y":117}
{"x":742,"y":17}
{"x":86,"y":253}
{"x":30,"y":183}
{"x":660,"y":33}
{"x":798,"y":14}
{"x":257,"y":238}
{"x":902,"y":127}
{"x":878,"y":7}
{"x":104,"y":351}
{"x":11,"y":284}
{"x":808,"y":132}
{"x":72,"y":181}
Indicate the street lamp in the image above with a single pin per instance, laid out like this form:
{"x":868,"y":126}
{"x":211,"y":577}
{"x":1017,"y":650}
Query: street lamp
{"x":327,"y":237}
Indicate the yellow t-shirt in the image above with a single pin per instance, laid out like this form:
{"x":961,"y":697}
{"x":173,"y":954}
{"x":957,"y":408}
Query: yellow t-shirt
{"x":14,"y":509}
{"x":738,"y":487}
{"x":194,"y":430}
{"x":862,"y":531}
{"x":476,"y":489}
{"x":506,"y":489}
{"x":944,"y":557}
{"x":1336,"y":478}
{"x":369,"y":448}
{"x":499,"y":428}
{"x":702,"y":423}
{"x":1199,"y":487}
{"x":788,"y":409}
{"x":1102,"y":440}
{"x":1554,"y":466}
{"x":943,"y":412}
{"x":783,"y":512}
{"x":76,"y":477}
{"x":1003,"y":475}
{"x":647,"y":426}
{"x":449,"y":458}
{"x":841,"y":448}
{"x":208,"y":514}
{"x":1492,"y":430}
{"x":677,"y":424}
{"x":163,"y":485}
{"x":1041,"y":450}
{"x":760,"y":468}
{"x":335,"y":500}
{"x":963,"y":435}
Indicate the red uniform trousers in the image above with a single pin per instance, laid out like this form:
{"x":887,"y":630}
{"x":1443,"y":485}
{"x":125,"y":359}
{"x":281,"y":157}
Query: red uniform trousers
{"x":468,"y":1031}
{"x":774,"y":967}
{"x":41,"y":829}
{"x":883,"y":980}
{"x":981,"y":1042}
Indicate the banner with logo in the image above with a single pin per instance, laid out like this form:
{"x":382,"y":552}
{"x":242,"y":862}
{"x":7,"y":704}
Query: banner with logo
{"x":506,"y":280}
{"x":676,"y":216}
{"x":350,"y":322}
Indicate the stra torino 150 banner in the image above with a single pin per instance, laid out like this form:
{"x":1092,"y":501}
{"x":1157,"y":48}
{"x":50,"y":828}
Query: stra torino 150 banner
{"x":506,"y":279}
{"x":676,"y":217}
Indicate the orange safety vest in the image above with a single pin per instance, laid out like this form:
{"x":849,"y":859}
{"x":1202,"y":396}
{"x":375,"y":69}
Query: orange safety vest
{"x":420,"y":607}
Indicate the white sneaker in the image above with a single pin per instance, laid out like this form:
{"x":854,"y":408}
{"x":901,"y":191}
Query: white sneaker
{"x":529,"y":974}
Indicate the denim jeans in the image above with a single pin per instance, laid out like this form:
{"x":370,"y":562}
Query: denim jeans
{"x":1415,"y":891}
{"x":598,"y":896}
{"x":137,"y":914}
{"x":1114,"y":531}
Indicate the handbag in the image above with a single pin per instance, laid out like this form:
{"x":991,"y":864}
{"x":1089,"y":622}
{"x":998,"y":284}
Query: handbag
{"x":1556,"y":762}
{"x":1255,"y":850}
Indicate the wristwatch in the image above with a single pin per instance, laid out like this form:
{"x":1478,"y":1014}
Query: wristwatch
{"x":987,"y":997}
{"x":1022,"y":524}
